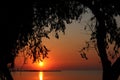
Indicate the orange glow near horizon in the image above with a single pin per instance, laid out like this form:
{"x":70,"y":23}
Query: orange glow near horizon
{"x":64,"y":52}
{"x":41,"y":63}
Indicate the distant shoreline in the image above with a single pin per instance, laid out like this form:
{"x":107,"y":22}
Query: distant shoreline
{"x":35,"y":70}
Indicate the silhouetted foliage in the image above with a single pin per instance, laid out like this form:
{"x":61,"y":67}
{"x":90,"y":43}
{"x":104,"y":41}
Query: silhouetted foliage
{"x":28,"y":25}
{"x":106,"y":30}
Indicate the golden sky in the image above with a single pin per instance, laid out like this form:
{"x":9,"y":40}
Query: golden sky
{"x":64,"y":52}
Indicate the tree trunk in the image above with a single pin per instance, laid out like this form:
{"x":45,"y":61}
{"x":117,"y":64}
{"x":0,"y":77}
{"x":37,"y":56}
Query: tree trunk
{"x":106,"y":65}
{"x":5,"y":71}
{"x":13,"y":18}
{"x":116,"y":69}
{"x":109,"y":72}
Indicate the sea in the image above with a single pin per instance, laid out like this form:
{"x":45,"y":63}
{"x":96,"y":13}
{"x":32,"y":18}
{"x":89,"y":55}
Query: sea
{"x":58,"y":75}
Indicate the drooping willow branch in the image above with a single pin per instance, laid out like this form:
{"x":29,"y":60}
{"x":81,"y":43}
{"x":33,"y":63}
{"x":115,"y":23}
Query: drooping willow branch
{"x":46,"y":19}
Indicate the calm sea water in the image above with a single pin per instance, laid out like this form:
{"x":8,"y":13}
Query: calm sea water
{"x":63,"y":75}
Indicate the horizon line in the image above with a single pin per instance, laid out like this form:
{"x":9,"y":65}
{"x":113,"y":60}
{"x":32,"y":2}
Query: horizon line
{"x":17,"y":70}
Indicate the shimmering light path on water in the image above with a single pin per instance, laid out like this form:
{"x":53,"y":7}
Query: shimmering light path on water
{"x":41,"y":76}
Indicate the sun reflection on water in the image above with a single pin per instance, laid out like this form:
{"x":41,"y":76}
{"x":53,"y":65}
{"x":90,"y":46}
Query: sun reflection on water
{"x":40,"y":75}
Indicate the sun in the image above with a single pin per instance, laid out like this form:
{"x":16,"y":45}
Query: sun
{"x":41,"y":63}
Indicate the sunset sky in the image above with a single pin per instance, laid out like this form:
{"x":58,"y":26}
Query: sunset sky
{"x":64,"y":52}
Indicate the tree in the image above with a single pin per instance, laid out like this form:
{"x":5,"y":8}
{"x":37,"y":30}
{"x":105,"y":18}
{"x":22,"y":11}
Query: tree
{"x":13,"y":19}
{"x":106,"y":33}
{"x":42,"y":17}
